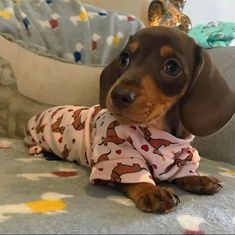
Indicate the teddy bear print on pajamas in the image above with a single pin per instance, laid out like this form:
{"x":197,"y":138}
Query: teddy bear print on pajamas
{"x":115,"y":153}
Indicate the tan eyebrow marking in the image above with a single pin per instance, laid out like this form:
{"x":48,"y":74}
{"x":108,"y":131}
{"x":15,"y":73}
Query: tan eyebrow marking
{"x":166,"y":51}
{"x":134,"y":46}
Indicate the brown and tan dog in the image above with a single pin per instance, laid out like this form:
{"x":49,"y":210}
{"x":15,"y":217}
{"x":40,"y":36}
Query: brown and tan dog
{"x":164,"y":78}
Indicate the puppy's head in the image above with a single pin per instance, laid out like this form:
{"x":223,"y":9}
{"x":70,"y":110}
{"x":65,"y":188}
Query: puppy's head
{"x":159,"y":68}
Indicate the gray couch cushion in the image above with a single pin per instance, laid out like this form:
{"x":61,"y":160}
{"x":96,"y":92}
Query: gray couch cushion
{"x":221,"y":146}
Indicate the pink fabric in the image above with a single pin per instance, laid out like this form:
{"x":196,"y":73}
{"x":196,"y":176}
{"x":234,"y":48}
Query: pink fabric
{"x":116,"y":153}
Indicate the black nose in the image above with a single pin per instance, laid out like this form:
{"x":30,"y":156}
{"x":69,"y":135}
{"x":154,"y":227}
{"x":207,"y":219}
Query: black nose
{"x":122,"y":97}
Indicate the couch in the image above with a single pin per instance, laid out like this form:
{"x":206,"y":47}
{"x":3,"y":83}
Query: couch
{"x":43,"y":195}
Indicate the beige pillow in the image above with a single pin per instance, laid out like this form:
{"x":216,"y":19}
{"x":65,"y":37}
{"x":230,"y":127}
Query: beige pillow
{"x":30,"y":82}
{"x":38,"y":77}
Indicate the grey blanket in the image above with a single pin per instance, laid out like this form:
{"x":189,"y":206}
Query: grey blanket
{"x":68,"y":29}
{"x":54,"y":197}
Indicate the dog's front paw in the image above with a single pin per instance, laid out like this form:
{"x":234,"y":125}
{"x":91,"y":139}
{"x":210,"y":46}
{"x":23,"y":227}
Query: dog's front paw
{"x":200,"y":184}
{"x":157,"y":200}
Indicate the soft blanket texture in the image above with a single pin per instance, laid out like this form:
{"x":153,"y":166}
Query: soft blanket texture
{"x":77,"y":32}
{"x":214,"y":34}
{"x":40,"y":196}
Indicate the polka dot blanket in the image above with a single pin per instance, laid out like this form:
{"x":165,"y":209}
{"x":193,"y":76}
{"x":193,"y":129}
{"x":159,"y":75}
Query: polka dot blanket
{"x":44,"y":195}
{"x":68,"y":29}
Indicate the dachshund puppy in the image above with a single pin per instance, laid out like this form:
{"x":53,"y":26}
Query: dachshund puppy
{"x":159,"y":92}
{"x":165,"y":80}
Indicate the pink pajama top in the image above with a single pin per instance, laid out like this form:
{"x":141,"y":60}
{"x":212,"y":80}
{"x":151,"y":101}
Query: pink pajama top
{"x":116,"y":153}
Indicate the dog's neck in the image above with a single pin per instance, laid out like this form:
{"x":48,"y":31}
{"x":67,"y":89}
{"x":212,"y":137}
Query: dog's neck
{"x":171,"y":123}
{"x":159,"y":123}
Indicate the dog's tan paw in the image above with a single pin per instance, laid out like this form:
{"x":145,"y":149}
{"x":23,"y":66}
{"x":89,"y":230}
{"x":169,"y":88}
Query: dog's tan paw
{"x":35,"y":150}
{"x":200,"y":184}
{"x":157,"y":200}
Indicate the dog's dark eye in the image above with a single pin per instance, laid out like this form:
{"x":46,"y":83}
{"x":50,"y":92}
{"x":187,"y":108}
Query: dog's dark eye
{"x":172,"y":68}
{"x":124,"y":59}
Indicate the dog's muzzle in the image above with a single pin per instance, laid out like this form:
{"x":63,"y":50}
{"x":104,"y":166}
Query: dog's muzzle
{"x":122,"y":98}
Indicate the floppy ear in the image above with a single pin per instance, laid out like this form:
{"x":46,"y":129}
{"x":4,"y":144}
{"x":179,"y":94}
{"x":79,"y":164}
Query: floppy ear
{"x":209,"y":103}
{"x":107,"y":78}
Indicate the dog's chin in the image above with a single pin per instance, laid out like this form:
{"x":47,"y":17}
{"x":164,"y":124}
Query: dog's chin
{"x":130,"y":116}
{"x":126,"y":120}
{"x":132,"y":119}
